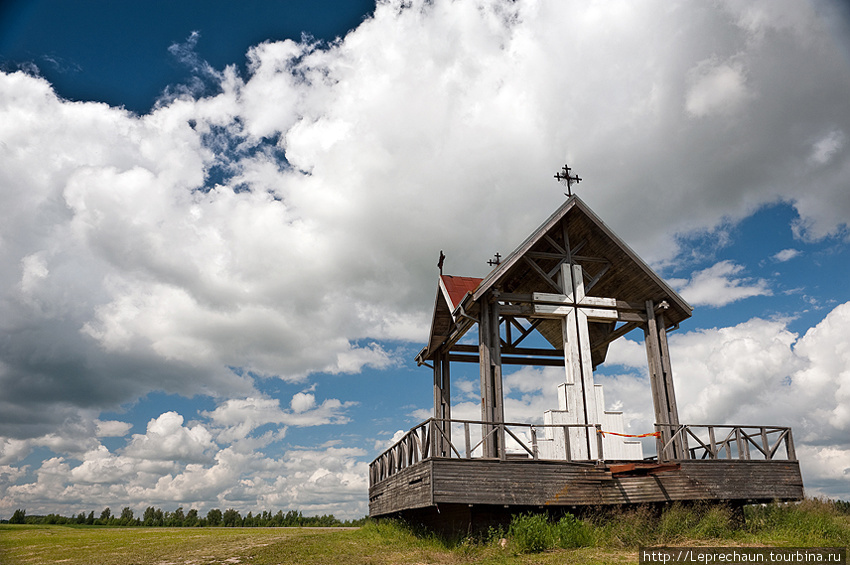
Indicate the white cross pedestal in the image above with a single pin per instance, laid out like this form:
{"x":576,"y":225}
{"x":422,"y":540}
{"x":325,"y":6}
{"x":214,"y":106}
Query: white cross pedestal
{"x":580,"y":400}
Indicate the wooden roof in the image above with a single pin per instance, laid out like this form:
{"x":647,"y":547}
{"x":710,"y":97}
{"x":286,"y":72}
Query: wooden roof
{"x":455,"y":289}
{"x":451,"y":292}
{"x":611,"y":268}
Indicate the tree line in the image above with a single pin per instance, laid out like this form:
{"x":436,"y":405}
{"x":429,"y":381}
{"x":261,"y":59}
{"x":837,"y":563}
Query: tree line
{"x":155,"y":517}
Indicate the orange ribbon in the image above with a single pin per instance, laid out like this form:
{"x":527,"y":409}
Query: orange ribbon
{"x":652,"y":434}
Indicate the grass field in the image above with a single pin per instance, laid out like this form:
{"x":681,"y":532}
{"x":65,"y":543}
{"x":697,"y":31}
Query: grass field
{"x":613,"y":540}
{"x":374,"y":545}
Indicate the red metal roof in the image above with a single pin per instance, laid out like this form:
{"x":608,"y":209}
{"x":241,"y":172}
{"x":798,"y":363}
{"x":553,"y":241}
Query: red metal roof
{"x":458,"y":287}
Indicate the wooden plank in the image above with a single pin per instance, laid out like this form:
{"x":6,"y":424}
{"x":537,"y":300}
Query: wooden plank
{"x":529,"y":482}
{"x":457,"y":358}
{"x":653,"y":354}
{"x":563,"y":299}
{"x":496,"y":360}
{"x":536,"y":268}
{"x":593,"y":314}
{"x":409,"y":488}
{"x":667,"y":369}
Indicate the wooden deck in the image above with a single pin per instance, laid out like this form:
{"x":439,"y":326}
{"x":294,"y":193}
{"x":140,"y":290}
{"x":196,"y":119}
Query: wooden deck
{"x":731,"y":464}
{"x":529,"y":483}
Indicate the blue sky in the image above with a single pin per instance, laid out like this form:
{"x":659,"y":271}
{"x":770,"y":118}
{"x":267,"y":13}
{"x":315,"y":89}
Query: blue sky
{"x":221,"y":222}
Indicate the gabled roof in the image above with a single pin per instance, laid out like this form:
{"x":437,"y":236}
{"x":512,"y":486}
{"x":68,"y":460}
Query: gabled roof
{"x":455,"y":289}
{"x":612,"y":270}
{"x":628,"y":277}
{"x":450,"y":293}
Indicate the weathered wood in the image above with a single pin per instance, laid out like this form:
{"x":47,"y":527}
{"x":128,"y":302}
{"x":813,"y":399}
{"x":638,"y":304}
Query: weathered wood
{"x":439,"y":406}
{"x":542,"y":286}
{"x":490,"y":376}
{"x":548,"y":483}
{"x":509,"y":360}
{"x":667,"y":369}
{"x":614,"y":335}
{"x":507,"y":350}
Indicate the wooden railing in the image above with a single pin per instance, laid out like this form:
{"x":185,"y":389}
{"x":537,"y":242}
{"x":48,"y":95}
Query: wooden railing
{"x":703,"y":441}
{"x":433,"y":438}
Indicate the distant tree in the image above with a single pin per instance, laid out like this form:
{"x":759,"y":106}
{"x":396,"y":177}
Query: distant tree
{"x":176,"y":518}
{"x":266,"y":518}
{"x":158,"y":517}
{"x":104,"y":516}
{"x":148,"y":517}
{"x":293,"y":518}
{"x":191,"y":518}
{"x":214,"y":517}
{"x":19,"y":517}
{"x":81,"y":518}
{"x":127,"y":518}
{"x":232,"y":518}
{"x":90,"y":519}
{"x":54,"y":519}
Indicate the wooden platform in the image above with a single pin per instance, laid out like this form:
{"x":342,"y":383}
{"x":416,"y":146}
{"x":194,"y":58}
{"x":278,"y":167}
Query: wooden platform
{"x":547,"y":484}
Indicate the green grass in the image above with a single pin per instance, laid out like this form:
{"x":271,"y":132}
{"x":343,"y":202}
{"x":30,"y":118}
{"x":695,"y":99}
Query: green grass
{"x":612,"y":538}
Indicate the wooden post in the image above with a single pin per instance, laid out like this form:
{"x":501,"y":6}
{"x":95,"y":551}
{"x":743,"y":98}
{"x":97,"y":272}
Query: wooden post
{"x":485,"y":371}
{"x":599,"y":453}
{"x":447,"y":400}
{"x":789,"y":447}
{"x":534,"y":451}
{"x":437,"y":439}
{"x":668,"y":369}
{"x":442,"y":403}
{"x":489,"y":347}
{"x":661,"y":379}
{"x":496,"y":360}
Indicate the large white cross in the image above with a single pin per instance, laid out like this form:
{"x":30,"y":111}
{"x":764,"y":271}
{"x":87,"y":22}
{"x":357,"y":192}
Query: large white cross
{"x":575,"y":310}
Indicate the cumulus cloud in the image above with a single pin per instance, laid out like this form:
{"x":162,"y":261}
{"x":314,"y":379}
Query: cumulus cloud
{"x":716,"y":88}
{"x":168,"y":440}
{"x":717,"y":286}
{"x":215,"y":231}
{"x":111,"y":428}
{"x":786,"y":255}
{"x":176,"y":464}
{"x":285,"y":221}
{"x":239,"y":417}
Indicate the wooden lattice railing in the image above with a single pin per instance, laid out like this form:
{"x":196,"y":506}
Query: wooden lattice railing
{"x":434,"y":438}
{"x":707,"y":441}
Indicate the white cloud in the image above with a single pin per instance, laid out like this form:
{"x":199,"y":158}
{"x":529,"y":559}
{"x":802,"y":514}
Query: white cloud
{"x":717,"y":286}
{"x":314,"y":258}
{"x":112,"y":428}
{"x":716,"y":88}
{"x":786,"y":255}
{"x":343,"y":168}
{"x":175,"y":465}
{"x":826,"y":147}
{"x":168,"y":440}
{"x":237,"y":418}
{"x":302,"y":401}
{"x":12,"y":450}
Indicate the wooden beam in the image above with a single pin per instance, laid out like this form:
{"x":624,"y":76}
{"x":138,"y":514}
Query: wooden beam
{"x":542,"y":274}
{"x":656,"y":373}
{"x":615,"y":335}
{"x":530,"y":351}
{"x":530,"y":361}
{"x":668,"y":370}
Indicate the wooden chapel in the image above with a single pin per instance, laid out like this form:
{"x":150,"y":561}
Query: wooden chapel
{"x":579,"y":287}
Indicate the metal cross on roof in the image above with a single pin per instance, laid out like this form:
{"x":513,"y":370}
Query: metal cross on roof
{"x":496,"y":261}
{"x":564,"y":177}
